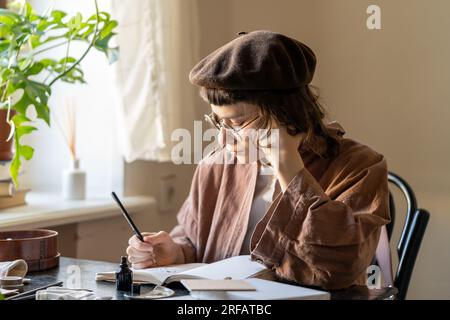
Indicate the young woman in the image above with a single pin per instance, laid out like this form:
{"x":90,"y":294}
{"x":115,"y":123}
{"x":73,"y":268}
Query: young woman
{"x":312,"y":211}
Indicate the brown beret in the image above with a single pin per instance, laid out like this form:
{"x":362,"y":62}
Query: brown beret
{"x":258,"y":60}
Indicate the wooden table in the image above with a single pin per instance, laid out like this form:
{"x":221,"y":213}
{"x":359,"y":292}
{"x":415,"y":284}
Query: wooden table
{"x":86,"y":269}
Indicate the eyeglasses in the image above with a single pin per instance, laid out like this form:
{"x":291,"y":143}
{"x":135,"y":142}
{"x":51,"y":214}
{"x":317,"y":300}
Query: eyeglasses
{"x":213,"y":121}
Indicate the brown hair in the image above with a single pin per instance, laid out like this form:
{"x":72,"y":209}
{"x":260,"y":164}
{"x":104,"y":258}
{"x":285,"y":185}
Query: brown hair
{"x":296,"y":109}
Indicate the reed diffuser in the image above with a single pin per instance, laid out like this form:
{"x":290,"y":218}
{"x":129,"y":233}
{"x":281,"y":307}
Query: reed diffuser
{"x":73,"y":178}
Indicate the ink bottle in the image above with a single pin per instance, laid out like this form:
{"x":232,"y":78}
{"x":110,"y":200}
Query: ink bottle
{"x":124,"y":278}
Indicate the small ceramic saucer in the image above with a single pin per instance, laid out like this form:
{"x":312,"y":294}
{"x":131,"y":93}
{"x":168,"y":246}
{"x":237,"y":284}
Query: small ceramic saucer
{"x":10,"y":281}
{"x":158,"y":292}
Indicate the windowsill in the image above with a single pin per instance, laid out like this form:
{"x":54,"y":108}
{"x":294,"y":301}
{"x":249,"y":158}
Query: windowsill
{"x":45,"y":210}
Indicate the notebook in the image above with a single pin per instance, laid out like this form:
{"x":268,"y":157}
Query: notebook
{"x":263,"y":290}
{"x":216,"y":285}
{"x":238,"y":267}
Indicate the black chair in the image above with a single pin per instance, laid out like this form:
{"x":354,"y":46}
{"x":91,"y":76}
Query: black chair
{"x":411,"y":237}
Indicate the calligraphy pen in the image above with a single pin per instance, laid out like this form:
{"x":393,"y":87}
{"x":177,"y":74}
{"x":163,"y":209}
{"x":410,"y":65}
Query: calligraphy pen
{"x":127,"y":217}
{"x":28,"y":295}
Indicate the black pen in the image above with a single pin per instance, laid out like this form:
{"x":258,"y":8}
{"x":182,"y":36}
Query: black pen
{"x":31,"y":293}
{"x":127,"y":217}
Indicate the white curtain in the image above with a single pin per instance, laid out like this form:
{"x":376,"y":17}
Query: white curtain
{"x":158,"y":42}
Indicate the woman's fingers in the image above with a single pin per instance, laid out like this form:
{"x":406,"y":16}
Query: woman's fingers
{"x":135,"y":256}
{"x":137,"y":260}
{"x":138,"y":254}
{"x":144,"y":264}
{"x":134,"y":260}
{"x":157,"y":238}
{"x":140,"y":245}
{"x":141,"y":253}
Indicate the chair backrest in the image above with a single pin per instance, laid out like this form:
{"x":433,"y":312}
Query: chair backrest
{"x":411,"y":236}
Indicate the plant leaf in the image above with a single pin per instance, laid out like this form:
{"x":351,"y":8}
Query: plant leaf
{"x":28,"y":10}
{"x":75,"y":22}
{"x":39,"y":94}
{"x":113,"y":54}
{"x":20,"y":150}
{"x":26,"y":152}
{"x":18,"y":119}
{"x":47,"y":62}
{"x":8,"y":17}
{"x":36,"y":68}
{"x":5,"y":31}
{"x":22,"y":104}
{"x":107,"y":29}
{"x":34,"y":40}
{"x":36,"y":94}
{"x":103,"y":45}
{"x":58,"y":15}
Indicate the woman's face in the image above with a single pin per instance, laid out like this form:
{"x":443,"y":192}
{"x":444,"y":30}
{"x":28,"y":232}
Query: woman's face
{"x":242,"y":118}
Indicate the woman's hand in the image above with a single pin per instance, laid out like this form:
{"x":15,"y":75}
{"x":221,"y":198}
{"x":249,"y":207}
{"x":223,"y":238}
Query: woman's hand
{"x":158,"y":249}
{"x":283,"y":154}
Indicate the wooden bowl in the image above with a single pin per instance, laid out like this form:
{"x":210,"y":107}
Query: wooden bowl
{"x":39,"y":248}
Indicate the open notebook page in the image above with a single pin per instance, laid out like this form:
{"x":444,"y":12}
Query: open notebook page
{"x":238,"y":267}
{"x":150,"y":275}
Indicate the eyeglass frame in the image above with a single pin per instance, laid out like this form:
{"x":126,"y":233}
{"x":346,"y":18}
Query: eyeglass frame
{"x":211,"y":119}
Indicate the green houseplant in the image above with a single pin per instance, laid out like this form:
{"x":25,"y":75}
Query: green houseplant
{"x":27,"y":74}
